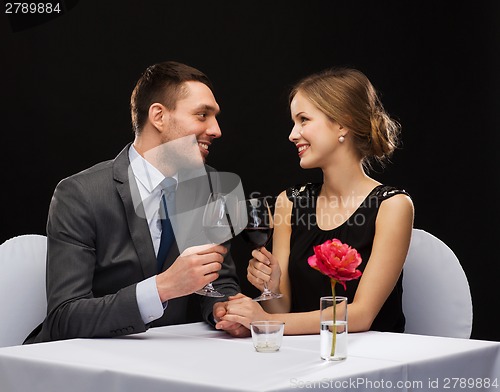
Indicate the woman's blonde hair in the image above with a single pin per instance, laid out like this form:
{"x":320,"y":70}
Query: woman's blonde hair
{"x":347,"y":97}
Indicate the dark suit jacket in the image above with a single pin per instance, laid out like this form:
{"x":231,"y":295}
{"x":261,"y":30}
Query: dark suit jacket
{"x":98,"y":248}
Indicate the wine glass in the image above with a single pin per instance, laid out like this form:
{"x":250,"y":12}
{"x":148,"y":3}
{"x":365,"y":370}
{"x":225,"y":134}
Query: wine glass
{"x":258,"y":231}
{"x":218,"y":228}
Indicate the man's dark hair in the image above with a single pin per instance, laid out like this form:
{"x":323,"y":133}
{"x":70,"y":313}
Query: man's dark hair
{"x":162,"y":83}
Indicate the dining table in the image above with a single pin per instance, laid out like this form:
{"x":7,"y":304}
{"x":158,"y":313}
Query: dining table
{"x":196,"y":357}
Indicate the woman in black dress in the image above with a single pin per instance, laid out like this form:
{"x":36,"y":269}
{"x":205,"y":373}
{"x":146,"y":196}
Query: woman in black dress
{"x":340,"y":126}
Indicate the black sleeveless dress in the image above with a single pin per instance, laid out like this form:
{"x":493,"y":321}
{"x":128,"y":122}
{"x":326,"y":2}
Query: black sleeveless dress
{"x":307,"y":284}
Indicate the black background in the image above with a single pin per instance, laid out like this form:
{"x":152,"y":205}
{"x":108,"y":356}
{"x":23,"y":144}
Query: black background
{"x":67,"y":79}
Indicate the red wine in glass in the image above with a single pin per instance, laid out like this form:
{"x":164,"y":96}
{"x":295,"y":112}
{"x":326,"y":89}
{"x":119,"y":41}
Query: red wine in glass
{"x":258,"y":232}
{"x":257,"y":236}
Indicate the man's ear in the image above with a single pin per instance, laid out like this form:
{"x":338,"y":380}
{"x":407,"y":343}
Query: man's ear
{"x":158,"y":116}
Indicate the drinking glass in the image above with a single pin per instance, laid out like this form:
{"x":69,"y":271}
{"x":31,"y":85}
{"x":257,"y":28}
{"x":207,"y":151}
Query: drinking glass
{"x":218,"y":228}
{"x":267,"y":335}
{"x":258,"y":231}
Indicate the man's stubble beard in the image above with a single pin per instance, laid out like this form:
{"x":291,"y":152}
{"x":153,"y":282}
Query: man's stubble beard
{"x":179,"y":150}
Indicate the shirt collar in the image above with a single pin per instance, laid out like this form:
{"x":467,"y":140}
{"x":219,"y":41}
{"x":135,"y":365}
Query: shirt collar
{"x":148,"y":175}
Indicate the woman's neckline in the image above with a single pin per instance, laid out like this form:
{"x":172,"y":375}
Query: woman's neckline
{"x":316,"y":194}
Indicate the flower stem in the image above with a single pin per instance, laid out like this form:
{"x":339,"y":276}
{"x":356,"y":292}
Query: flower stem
{"x":334,"y":326}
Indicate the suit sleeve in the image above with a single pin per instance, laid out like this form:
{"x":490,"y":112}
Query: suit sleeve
{"x":73,"y":311}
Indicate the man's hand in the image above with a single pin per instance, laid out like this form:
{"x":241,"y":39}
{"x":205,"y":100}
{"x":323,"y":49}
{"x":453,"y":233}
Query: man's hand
{"x":192,"y":270}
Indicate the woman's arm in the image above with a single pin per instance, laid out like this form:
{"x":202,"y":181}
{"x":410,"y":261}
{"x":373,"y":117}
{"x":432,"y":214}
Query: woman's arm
{"x":390,"y":246}
{"x":243,"y":310}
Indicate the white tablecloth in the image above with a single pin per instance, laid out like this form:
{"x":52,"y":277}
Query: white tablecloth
{"x":193,"y":357}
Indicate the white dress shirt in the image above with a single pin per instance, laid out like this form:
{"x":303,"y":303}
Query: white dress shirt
{"x":148,"y":179}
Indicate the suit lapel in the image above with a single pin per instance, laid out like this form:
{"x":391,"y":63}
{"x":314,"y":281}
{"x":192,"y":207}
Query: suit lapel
{"x":134,"y":210}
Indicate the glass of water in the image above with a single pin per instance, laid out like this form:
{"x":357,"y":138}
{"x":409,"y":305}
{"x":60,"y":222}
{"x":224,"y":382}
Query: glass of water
{"x":333,"y":328}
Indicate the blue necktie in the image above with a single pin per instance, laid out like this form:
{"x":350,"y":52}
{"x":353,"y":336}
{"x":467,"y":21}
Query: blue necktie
{"x":167,"y":233}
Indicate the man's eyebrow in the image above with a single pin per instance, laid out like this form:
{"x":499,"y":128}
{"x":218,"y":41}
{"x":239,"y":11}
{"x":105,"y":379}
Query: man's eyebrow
{"x":207,"y":108}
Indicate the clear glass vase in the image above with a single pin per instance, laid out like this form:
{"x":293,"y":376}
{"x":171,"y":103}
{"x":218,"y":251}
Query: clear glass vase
{"x":333,"y":328}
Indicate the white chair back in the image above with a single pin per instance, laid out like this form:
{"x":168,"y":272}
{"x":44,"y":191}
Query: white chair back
{"x":436,"y":293}
{"x":23,"y":301}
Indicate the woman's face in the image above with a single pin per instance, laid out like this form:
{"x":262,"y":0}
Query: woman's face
{"x":313,"y":133}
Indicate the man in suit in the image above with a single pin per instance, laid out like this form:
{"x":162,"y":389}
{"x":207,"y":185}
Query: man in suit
{"x":103,"y":230}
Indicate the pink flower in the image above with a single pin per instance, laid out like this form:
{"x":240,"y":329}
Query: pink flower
{"x":336,"y":260}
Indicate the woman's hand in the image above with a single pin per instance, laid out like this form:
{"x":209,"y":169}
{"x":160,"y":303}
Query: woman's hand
{"x":241,"y":309}
{"x":264,"y":267}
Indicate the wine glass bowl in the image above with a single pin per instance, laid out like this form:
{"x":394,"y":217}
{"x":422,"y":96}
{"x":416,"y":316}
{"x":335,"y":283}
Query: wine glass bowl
{"x":217,"y":223}
{"x":258,"y":232}
{"x":218,"y":228}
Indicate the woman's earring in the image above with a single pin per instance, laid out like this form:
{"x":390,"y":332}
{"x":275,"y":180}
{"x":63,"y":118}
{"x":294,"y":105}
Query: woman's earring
{"x":341,"y":139}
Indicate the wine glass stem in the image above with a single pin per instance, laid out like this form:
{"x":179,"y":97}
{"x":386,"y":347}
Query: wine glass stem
{"x":266,"y":290}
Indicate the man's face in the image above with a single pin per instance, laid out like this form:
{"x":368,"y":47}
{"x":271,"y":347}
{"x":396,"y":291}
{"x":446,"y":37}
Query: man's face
{"x":195,"y":116}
